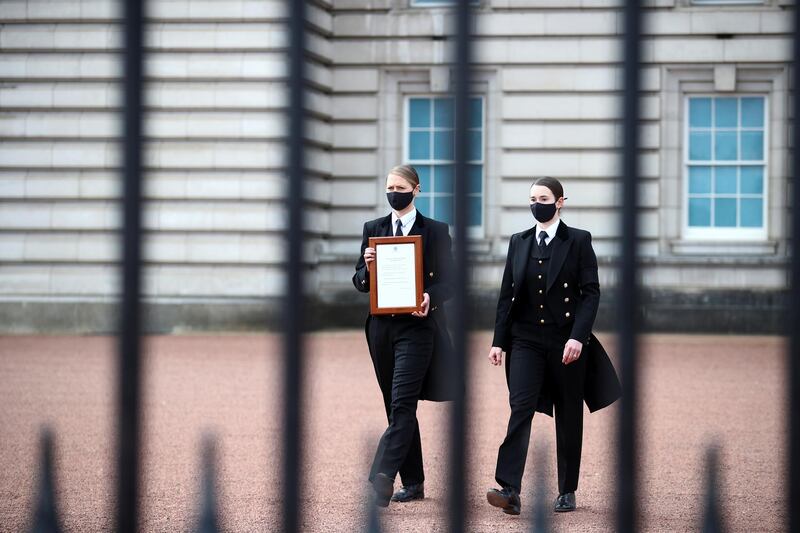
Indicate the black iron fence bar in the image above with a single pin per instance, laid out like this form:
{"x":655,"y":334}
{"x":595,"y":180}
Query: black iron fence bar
{"x":294,"y":298}
{"x":628,"y":314}
{"x":461,"y":298}
{"x":794,"y":296}
{"x":130,"y":315}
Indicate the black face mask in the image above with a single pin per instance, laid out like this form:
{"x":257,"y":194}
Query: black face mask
{"x":399,"y":200}
{"x":543,"y":212}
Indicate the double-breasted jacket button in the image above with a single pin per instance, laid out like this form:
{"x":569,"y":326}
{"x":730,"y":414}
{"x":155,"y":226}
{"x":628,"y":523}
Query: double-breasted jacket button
{"x":512,"y":283}
{"x":540,"y":261}
{"x":430,"y":274}
{"x":363,"y":282}
{"x":566,"y":300}
{"x":541,"y":291}
{"x":540,"y":276}
{"x":566,"y":315}
{"x":512,"y":298}
{"x":541,"y":306}
{"x":566,"y":285}
{"x":541,"y":321}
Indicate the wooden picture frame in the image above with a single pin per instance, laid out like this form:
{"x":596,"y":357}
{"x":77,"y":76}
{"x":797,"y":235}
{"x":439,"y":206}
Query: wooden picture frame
{"x":397,"y":289}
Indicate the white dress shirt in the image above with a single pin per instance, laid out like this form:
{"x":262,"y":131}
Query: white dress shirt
{"x":551,"y":232}
{"x":406,"y":220}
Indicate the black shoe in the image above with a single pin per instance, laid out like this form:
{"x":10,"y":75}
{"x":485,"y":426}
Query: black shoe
{"x":507,"y":499}
{"x":383,"y":486}
{"x":564,"y":503}
{"x":409,"y":492}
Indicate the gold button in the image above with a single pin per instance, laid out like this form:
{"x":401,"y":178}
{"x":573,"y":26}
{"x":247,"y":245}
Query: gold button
{"x":541,"y":306}
{"x":566,"y":299}
{"x":430,"y":274}
{"x":540,"y":291}
{"x":565,"y":285}
{"x":540,"y":261}
{"x":566,"y":314}
{"x":540,"y":276}
{"x":541,"y":321}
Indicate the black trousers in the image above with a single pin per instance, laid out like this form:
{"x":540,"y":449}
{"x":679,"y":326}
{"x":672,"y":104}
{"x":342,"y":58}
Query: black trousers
{"x":535,"y":357}
{"x":401,"y":347}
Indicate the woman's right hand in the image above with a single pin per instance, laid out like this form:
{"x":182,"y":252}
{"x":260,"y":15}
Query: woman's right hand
{"x":496,"y":356}
{"x":369,"y":256}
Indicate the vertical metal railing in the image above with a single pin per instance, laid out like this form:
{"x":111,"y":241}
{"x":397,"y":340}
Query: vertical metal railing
{"x":794,"y":294}
{"x":461,"y":89}
{"x":128,"y":435}
{"x":294,"y":298}
{"x":628,"y":303}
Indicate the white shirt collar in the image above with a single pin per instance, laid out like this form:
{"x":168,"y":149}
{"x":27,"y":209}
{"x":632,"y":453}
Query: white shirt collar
{"x":406,"y":220}
{"x":551,"y":231}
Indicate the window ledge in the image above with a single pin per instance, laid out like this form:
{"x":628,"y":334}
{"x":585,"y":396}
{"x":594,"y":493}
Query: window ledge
{"x":738,"y":248}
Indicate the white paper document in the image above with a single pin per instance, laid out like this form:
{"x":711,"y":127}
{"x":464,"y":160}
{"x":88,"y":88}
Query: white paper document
{"x":395,"y":275}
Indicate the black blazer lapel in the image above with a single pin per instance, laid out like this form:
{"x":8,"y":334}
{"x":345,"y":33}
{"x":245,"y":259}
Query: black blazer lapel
{"x":521,"y":259}
{"x":385,"y":226}
{"x":420,"y":228}
{"x":558,"y":253}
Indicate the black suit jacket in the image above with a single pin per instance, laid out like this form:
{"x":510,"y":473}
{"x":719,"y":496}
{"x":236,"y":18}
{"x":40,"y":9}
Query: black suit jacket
{"x":573,"y":296}
{"x":437,"y":264}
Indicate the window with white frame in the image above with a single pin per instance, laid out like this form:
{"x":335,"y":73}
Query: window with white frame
{"x":726,"y":167}
{"x":429,"y":147}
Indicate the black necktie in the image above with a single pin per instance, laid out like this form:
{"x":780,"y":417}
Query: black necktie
{"x":542,"y":236}
{"x":399,"y":232}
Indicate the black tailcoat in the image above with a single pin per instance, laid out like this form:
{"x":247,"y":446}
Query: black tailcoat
{"x":437,"y":264}
{"x":572,"y":295}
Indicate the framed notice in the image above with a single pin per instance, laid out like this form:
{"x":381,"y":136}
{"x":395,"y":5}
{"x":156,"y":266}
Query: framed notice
{"x":395,"y":278}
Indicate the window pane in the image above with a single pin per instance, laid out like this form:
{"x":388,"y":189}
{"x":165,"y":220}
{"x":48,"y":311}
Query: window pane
{"x":419,"y":110}
{"x":424,"y":172}
{"x":752,"y":180}
{"x":752,"y":145}
{"x":699,"y":212}
{"x":725,"y":212}
{"x":423,"y":205}
{"x":752,"y":112}
{"x":443,"y":113}
{"x":475,"y":146}
{"x":700,"y":112}
{"x":700,"y":146}
{"x":725,"y":180}
{"x":443,"y":145}
{"x":419,"y":145}
{"x":752,"y":212}
{"x":725,"y":113}
{"x":699,"y":180}
{"x":476,"y":113}
{"x":443,"y":208}
{"x":475,"y":179}
{"x":725,"y":146}
{"x":475,"y":208}
{"x":443,"y":178}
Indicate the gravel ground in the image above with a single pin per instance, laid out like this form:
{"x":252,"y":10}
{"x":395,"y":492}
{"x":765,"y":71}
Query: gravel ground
{"x":694,"y":390}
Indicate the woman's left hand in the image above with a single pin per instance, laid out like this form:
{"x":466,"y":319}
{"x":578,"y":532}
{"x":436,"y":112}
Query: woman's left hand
{"x":572,"y":351}
{"x":426,"y":303}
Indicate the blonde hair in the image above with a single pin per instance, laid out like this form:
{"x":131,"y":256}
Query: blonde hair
{"x":407,"y":172}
